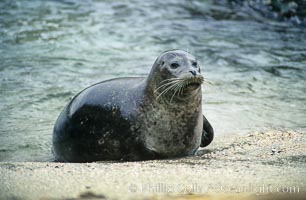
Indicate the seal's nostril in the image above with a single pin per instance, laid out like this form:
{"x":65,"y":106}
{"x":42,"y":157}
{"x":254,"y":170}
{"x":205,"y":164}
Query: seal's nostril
{"x":193,"y":72}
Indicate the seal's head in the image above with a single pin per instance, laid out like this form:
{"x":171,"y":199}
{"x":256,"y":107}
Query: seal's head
{"x":175,"y":75}
{"x":173,"y":119}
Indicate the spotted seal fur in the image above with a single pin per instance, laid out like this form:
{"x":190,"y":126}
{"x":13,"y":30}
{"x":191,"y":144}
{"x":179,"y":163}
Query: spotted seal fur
{"x":159,"y":116}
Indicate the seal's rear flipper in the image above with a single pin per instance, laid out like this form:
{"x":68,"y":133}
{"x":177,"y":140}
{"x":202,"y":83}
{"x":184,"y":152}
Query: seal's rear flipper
{"x":207,"y":134}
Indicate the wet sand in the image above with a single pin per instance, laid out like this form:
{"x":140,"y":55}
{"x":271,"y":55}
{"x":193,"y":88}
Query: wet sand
{"x":260,"y":165}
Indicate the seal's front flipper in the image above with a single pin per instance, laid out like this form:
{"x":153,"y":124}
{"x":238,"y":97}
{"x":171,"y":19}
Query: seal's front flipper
{"x":207,"y":134}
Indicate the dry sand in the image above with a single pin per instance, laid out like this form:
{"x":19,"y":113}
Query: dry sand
{"x":261,"y":165}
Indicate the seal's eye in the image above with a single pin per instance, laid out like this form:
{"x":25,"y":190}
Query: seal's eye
{"x":195,"y":64}
{"x":174,"y":65}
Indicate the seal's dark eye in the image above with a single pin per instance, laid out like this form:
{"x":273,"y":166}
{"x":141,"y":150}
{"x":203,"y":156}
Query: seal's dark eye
{"x":194,"y":64}
{"x":174,"y":65}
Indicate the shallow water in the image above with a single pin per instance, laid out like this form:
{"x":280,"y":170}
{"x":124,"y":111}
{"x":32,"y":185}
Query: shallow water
{"x":50,"y":50}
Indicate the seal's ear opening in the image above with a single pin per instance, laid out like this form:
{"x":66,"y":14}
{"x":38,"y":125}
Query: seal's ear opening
{"x":207,"y":133}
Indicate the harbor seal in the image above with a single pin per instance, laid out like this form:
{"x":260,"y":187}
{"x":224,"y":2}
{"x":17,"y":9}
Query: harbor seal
{"x":159,"y":116}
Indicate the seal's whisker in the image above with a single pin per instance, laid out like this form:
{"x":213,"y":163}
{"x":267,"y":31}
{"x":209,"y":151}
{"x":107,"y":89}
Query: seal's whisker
{"x":175,"y":90}
{"x":179,"y":89}
{"x":185,"y":84}
{"x":170,"y":79}
{"x":182,"y":88}
{"x":167,"y":89}
{"x":163,"y":86}
{"x":166,"y":84}
{"x":177,"y":85}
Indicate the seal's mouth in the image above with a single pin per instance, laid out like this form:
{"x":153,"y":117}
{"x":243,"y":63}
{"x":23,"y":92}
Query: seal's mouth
{"x":192,"y":84}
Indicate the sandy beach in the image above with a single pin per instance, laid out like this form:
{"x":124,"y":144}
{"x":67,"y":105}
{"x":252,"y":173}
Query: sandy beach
{"x":260,"y":165}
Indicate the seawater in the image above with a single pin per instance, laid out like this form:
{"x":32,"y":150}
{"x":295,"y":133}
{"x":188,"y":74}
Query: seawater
{"x":51,"y":49}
